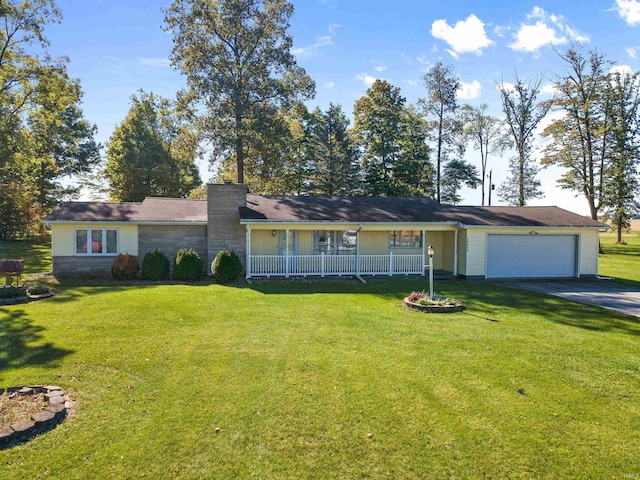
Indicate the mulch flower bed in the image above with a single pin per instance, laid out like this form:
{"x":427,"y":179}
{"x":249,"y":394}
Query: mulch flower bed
{"x":28,"y":411}
{"x":439,"y":304}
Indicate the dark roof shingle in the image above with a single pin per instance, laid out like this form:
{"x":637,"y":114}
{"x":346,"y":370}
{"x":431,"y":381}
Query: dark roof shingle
{"x":403,"y":210}
{"x":152,"y":209}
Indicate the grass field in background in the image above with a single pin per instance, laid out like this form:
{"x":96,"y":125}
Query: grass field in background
{"x":324,"y":380}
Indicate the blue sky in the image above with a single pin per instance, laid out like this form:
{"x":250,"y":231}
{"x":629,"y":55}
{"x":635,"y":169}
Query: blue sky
{"x":117,"y":47}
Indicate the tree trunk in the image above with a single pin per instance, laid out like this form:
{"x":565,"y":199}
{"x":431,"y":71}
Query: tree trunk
{"x":239,"y":145}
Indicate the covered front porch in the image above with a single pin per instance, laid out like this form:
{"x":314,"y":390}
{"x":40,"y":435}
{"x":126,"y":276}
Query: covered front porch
{"x":332,"y":250}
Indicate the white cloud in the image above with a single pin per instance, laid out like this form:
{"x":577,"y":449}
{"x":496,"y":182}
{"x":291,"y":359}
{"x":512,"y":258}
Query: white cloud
{"x":548,"y":89}
{"x":313,"y":48}
{"x":544,"y":29}
{"x":469,"y":91}
{"x":423,"y":60}
{"x":632,"y":51}
{"x":629,"y":10}
{"x":152,"y":62}
{"x":500,"y":31}
{"x":380,"y":68}
{"x":333,"y":28}
{"x":465,"y":36}
{"x":367,"y":79}
{"x":329,"y":85}
{"x":622,"y":70}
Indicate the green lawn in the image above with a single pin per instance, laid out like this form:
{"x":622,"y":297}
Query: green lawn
{"x":297,"y":374}
{"x":621,"y":261}
{"x":36,"y":255}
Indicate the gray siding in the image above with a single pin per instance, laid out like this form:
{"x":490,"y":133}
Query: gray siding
{"x":170,"y":239}
{"x":82,"y":266}
{"x":224,"y":230}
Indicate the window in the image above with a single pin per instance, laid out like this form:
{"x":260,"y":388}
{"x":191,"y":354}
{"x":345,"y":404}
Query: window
{"x":96,"y":241}
{"x":405,"y":239}
{"x":335,"y":242}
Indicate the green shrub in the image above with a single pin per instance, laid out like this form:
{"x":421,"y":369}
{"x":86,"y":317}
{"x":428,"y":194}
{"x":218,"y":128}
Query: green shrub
{"x":13,"y":292}
{"x":226,"y":266}
{"x":187,"y":265}
{"x":36,"y":289}
{"x":125,"y":267}
{"x":155,"y":265}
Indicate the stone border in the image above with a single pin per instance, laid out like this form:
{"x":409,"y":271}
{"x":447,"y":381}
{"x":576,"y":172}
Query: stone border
{"x":27,"y":299}
{"x":59,"y":405}
{"x":434,"y":308}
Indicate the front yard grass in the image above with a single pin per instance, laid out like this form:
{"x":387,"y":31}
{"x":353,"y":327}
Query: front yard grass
{"x":325,"y":380}
{"x":621,"y":261}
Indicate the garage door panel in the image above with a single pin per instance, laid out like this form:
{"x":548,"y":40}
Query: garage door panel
{"x":531,"y":256}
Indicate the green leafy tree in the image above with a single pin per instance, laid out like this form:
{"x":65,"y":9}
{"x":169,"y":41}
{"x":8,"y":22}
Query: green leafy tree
{"x":413,"y":172}
{"x":523,"y":114}
{"x":622,"y":185}
{"x":487,"y":135}
{"x":378,"y":117}
{"x":44,"y":138}
{"x":236,"y":55}
{"x":441,"y":107}
{"x":578,"y":142}
{"x":332,"y":152}
{"x":456,"y":174}
{"x":152,"y":152}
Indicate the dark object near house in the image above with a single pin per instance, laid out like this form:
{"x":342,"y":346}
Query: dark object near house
{"x":10,"y":269}
{"x":125,"y":267}
{"x":155,"y":266}
{"x":226,"y":266}
{"x":187,"y":265}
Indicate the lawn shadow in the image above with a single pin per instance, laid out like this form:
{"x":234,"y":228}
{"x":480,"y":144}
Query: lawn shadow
{"x":20,"y":342}
{"x":484,"y":298}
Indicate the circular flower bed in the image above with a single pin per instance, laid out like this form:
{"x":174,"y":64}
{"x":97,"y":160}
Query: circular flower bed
{"x":437,"y":304}
{"x":28,"y":411}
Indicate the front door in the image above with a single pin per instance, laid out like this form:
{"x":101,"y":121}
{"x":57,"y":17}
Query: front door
{"x":292,"y":244}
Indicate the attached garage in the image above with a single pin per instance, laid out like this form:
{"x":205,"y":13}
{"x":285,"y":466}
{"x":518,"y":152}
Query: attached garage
{"x":531,"y":256}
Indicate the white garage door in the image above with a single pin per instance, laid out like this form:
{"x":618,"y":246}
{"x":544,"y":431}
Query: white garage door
{"x":531,"y":256}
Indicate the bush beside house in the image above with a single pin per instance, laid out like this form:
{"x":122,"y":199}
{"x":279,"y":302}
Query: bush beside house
{"x":155,"y":266}
{"x":226,"y":266}
{"x":187,"y":265}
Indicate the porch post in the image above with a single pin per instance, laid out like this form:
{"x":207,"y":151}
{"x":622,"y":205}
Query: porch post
{"x":455,"y":252}
{"x":423,"y":251}
{"x":287,"y":253}
{"x":358,"y":251}
{"x":390,"y":263}
{"x":248,"y":248}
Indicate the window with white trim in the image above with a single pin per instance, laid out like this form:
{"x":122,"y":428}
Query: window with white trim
{"x":405,"y":239}
{"x":96,"y":241}
{"x":334,"y":242}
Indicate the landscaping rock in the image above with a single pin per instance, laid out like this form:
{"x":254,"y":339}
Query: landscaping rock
{"x":23,"y":426}
{"x":5,"y":433}
{"x":58,"y":408}
{"x":69,"y":404}
{"x":43,"y":416}
{"x":57,"y":400}
{"x":53,"y":394}
{"x":51,"y":388}
{"x":26,"y":391}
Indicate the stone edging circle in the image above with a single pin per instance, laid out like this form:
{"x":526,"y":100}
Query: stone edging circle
{"x":434,"y":308}
{"x":27,"y":299}
{"x":59,"y":405}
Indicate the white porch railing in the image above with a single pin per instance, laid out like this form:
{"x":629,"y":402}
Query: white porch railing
{"x":331,"y":265}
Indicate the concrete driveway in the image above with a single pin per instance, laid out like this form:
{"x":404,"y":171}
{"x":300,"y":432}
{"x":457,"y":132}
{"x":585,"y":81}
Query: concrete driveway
{"x":601,"y":293}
